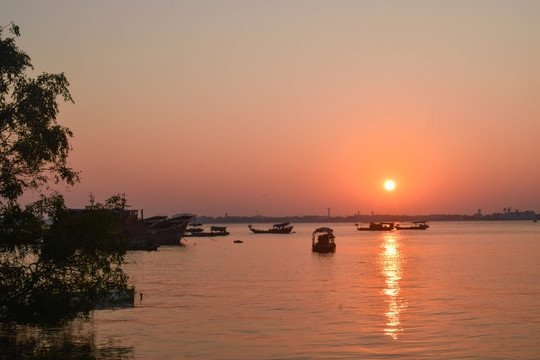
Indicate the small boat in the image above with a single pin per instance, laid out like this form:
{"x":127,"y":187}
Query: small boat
{"x":383,"y":226}
{"x":417,"y":225}
{"x":322,"y":240}
{"x":214,"y":231}
{"x":284,"y":228}
{"x":194,"y":228}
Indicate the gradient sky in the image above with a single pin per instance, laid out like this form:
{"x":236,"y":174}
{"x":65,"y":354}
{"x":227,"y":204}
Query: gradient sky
{"x":292,"y":107}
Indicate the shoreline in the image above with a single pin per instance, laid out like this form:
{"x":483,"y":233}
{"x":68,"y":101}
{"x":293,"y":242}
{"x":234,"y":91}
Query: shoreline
{"x":529,"y":216}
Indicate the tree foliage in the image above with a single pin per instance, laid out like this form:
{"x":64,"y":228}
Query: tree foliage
{"x":33,"y":147}
{"x":55,"y":264}
{"x":54,"y":273}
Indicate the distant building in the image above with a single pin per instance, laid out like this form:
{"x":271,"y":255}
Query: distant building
{"x":517,"y":215}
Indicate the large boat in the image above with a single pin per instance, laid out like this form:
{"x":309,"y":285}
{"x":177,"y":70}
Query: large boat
{"x":149,"y":234}
{"x":284,"y":228}
{"x":169,"y":231}
{"x":383,"y":226}
{"x":322,"y":240}
{"x":417,"y":225}
{"x":199,"y":232}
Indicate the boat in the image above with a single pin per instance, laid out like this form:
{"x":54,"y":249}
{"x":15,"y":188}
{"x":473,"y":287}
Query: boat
{"x":284,"y":228}
{"x":214,"y":231}
{"x":322,"y":240}
{"x":383,"y":226}
{"x":417,"y":225}
{"x":149,"y":234}
{"x":194,"y":229}
{"x":169,"y":231}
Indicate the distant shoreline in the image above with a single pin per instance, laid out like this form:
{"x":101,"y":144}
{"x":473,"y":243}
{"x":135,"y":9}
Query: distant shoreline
{"x":523,"y":216}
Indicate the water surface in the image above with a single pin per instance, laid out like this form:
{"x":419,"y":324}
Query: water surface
{"x":457,"y":290}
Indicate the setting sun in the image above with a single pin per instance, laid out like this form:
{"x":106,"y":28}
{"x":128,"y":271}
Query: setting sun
{"x":389,"y":185}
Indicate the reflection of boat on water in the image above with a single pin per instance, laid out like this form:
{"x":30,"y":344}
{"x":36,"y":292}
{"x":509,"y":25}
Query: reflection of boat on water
{"x":322,"y":240}
{"x":383,"y":226}
{"x":214,"y":231}
{"x":417,"y":225}
{"x":284,"y":228}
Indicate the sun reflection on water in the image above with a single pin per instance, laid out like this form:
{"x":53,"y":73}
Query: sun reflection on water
{"x":391,"y":265}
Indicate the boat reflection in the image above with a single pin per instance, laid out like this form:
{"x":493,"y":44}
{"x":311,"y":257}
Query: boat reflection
{"x":391,"y":263}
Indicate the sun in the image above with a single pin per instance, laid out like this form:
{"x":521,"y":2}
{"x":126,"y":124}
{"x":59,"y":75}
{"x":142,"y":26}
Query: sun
{"x":389,"y":185}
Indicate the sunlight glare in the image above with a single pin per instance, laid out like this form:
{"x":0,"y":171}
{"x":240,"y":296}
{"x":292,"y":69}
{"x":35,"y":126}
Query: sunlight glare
{"x":391,"y":266}
{"x":389,"y":185}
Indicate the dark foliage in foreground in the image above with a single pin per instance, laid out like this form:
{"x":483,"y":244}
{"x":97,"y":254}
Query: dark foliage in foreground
{"x":53,"y":273}
{"x":55,"y":265}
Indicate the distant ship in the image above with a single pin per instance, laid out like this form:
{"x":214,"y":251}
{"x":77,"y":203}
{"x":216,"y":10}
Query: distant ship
{"x":383,"y":226}
{"x":417,"y":225}
{"x":284,"y":228}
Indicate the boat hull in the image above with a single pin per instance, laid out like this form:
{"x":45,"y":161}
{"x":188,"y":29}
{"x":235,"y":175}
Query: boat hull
{"x":206,"y":234}
{"x":272,"y":231}
{"x":143,"y":236}
{"x":378,"y":227}
{"x":410,"y":228}
{"x":366,"y":229}
{"x":324,"y":249}
{"x":418,"y":225}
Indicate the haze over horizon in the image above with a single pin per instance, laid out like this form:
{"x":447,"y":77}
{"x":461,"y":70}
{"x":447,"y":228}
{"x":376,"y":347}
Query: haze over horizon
{"x":290,"y":108}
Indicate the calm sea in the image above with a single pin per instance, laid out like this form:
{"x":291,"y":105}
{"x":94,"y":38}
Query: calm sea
{"x":459,"y":290}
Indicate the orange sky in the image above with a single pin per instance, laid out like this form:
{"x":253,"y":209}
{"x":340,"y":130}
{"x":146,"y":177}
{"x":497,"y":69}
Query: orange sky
{"x":291,"y":107}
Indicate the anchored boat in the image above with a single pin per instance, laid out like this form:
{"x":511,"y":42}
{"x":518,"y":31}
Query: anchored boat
{"x":417,"y":225}
{"x":383,"y":226}
{"x":322,"y":240}
{"x":284,"y":228}
{"x":214,"y":231}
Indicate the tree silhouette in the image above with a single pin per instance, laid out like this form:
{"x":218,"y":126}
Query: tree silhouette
{"x":55,"y":265}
